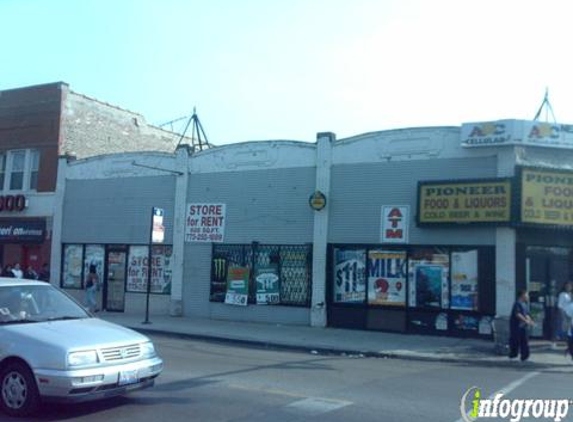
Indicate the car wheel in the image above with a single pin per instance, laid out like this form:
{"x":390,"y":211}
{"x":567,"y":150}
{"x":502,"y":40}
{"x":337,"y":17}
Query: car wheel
{"x":20,"y":395}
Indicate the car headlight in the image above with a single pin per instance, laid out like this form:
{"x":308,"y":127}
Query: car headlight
{"x":148,"y":350}
{"x":88,"y":357}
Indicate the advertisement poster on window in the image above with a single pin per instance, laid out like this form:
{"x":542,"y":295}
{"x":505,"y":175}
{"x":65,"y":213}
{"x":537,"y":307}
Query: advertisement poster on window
{"x":237,"y":286}
{"x":137,"y":269}
{"x":465,"y":280}
{"x":72,"y":277}
{"x":161,"y":272}
{"x":94,"y":257}
{"x":428,"y":287}
{"x":387,"y":278}
{"x":349,"y":275}
{"x":267,"y":280}
{"x":205,"y":223}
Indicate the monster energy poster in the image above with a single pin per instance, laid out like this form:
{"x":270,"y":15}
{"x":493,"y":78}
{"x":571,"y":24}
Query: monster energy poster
{"x":237,"y":286}
{"x":219,"y":279}
{"x":267,"y":285}
{"x":349,"y":275}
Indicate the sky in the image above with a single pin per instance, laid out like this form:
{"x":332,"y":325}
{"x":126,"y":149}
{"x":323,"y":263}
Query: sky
{"x":287,"y":69}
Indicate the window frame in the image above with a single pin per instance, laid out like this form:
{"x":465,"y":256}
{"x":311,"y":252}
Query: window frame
{"x":31,"y":166}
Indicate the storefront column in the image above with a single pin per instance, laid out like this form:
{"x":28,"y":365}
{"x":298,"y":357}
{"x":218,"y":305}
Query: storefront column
{"x":59,"y":196}
{"x":320,"y":237}
{"x":505,"y":239}
{"x":505,"y":270}
{"x":181,"y":162}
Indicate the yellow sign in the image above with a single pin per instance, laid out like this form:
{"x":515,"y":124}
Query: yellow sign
{"x":467,"y":202}
{"x":546,"y":197}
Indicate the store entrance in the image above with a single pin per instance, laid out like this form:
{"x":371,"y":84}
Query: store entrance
{"x":114,"y":283}
{"x":547,"y":270}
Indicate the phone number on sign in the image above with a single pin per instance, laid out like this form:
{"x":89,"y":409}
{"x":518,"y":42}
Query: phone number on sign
{"x":204,"y":237}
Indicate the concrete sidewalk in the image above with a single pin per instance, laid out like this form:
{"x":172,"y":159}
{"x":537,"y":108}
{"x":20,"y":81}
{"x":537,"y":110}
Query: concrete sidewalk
{"x":349,"y":342}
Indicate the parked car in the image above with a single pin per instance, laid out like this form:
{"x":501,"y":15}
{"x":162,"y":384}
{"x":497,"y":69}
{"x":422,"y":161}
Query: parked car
{"x":52,"y":349}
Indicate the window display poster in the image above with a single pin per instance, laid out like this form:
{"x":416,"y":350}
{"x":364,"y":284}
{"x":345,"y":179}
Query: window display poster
{"x":137,"y":269}
{"x":161,"y":269}
{"x":267,"y":280}
{"x":387,"y":278}
{"x":428,"y":287}
{"x":72,"y":276}
{"x":237,"y":286}
{"x":349,"y":275}
{"x":465,"y":280}
{"x":94,"y":256}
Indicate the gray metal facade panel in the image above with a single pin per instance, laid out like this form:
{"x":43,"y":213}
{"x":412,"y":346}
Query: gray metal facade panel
{"x":196,"y":279}
{"x":196,"y":287}
{"x":359,"y":191}
{"x":268,"y":206}
{"x":116,"y":210}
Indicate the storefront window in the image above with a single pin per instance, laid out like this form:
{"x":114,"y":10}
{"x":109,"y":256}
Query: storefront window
{"x":278,"y":274}
{"x":72,"y":271}
{"x":94,"y":255}
{"x":137,"y":269}
{"x":349,"y":275}
{"x":161,"y":269}
{"x":465,"y":278}
{"x":295,"y":275}
{"x":429,"y":277}
{"x":387,"y":273}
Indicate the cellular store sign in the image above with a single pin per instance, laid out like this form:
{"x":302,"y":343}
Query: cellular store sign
{"x":12,"y":202}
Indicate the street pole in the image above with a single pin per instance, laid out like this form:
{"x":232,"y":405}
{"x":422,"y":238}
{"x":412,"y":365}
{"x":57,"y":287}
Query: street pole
{"x":148,"y":293}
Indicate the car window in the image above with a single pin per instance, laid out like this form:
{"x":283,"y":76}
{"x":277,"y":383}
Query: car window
{"x":37,"y":303}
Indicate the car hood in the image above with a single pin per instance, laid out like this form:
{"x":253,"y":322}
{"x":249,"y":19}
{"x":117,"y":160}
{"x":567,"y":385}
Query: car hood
{"x":77,"y":334}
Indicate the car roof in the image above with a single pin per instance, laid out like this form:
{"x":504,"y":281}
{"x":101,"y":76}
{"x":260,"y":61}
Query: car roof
{"x":8,"y":281}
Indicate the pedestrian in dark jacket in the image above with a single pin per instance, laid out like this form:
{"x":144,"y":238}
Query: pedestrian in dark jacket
{"x":519,"y":324}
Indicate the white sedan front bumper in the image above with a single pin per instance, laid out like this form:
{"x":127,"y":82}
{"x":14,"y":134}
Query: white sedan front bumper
{"x":97,"y":383}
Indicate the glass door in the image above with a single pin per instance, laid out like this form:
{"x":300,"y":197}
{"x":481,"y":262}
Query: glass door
{"x":114,"y":292}
{"x":547,"y":269}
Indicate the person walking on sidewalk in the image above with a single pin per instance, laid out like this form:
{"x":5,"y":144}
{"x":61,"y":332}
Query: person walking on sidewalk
{"x":91,"y":289}
{"x":563,"y":320}
{"x":519,"y":324}
{"x":568,"y":312}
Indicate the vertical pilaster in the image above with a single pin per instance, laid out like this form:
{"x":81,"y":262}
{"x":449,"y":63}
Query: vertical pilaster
{"x":320,"y":236}
{"x":181,"y":160}
{"x":57,"y":222}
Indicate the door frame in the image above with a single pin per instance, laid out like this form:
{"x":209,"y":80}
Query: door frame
{"x":113,"y":249}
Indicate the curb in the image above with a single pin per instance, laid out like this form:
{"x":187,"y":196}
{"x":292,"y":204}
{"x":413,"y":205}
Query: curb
{"x":329,"y":351}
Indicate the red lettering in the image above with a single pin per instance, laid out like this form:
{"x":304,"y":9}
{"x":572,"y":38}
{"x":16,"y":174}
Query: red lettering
{"x":394,"y":234}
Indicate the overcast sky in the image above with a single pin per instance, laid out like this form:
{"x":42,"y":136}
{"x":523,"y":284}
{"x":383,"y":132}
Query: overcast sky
{"x":287,"y":69}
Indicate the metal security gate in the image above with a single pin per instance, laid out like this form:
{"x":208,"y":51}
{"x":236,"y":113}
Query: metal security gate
{"x":292,"y":263}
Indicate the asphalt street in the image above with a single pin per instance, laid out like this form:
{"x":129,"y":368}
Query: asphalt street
{"x":206,"y":381}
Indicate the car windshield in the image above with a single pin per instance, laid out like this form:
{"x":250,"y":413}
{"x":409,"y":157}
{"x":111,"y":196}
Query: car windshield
{"x":36,"y":303}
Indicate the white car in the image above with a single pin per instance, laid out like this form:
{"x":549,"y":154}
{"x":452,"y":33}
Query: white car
{"x":52,"y":349}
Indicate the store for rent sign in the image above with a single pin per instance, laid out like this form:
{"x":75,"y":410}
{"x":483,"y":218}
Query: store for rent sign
{"x":205,"y":223}
{"x":546,"y":197}
{"x":395,"y":223}
{"x":464,"y":202}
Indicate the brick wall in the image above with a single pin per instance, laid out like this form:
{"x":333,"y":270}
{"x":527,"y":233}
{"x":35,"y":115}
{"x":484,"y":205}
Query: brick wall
{"x":91,"y":127}
{"x":29,"y":118}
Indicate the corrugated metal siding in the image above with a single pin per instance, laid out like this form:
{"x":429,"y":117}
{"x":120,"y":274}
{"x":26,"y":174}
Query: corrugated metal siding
{"x":359,"y":191}
{"x":268,"y":206}
{"x":116,"y":210}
